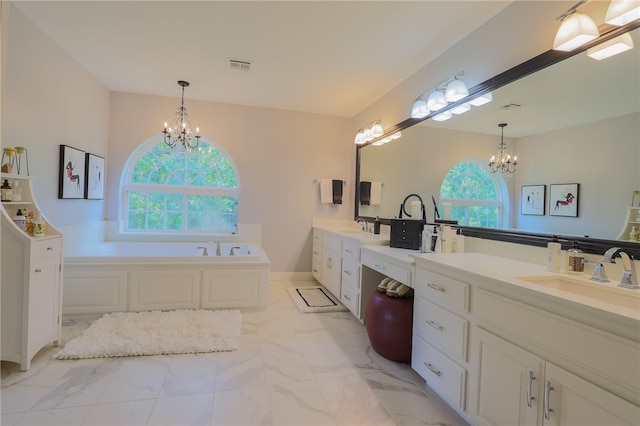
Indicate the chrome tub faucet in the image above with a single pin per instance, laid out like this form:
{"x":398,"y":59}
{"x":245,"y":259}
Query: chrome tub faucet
{"x":629,"y":277}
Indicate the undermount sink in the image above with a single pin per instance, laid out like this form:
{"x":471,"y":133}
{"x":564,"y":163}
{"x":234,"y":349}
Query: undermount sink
{"x":629,"y":299}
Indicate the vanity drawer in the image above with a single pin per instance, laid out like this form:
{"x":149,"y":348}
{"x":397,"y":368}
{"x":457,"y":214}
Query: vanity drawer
{"x":351,"y":272}
{"x":443,"y":291}
{"x":386,"y":268}
{"x":317,"y":237}
{"x":443,"y":329}
{"x":442,"y":374}
{"x":316,"y":268}
{"x":351,"y":249}
{"x":350,"y":297}
{"x":46,"y":248}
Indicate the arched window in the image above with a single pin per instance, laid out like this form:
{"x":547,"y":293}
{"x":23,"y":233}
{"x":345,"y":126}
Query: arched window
{"x":165,"y":190}
{"x":477,"y":196}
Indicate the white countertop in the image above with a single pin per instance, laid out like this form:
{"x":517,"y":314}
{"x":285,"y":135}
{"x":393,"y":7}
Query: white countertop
{"x":513,"y":271}
{"x":353,"y":231}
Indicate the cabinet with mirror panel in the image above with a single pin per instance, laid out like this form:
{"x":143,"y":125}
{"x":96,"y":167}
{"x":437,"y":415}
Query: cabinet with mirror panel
{"x":577,"y":123}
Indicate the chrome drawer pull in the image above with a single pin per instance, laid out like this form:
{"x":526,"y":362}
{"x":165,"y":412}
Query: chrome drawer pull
{"x":433,"y":370}
{"x":529,"y":384}
{"x":347,"y":272}
{"x":435,"y":325}
{"x":346,"y":296}
{"x":349,"y":251}
{"x":435,"y":287}
{"x":379,"y":266}
{"x":38,"y":270}
{"x":315,"y":270}
{"x":547,"y":389}
{"x":49,"y":248}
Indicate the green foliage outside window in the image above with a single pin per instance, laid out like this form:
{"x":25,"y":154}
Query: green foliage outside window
{"x":182,"y":191}
{"x":473,"y":194}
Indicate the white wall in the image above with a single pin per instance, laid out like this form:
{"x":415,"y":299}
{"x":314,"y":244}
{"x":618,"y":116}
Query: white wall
{"x":278,"y":154}
{"x":606,"y":154}
{"x":48,"y":100}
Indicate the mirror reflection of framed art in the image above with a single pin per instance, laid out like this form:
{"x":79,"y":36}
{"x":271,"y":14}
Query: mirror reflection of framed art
{"x":563,"y":199}
{"x":94,"y":188}
{"x":532,"y":199}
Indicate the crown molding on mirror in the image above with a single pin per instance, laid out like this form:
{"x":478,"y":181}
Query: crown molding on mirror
{"x":544,"y":60}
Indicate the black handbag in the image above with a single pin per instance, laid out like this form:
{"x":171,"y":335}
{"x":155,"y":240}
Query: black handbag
{"x":407,"y":233}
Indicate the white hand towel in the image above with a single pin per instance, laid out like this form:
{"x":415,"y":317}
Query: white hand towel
{"x":326,"y":191}
{"x":376,"y":193}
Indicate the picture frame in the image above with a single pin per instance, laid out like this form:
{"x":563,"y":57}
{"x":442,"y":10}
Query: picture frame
{"x":564,"y":199}
{"x":71,"y":180}
{"x":533,"y":200}
{"x":94,"y":177}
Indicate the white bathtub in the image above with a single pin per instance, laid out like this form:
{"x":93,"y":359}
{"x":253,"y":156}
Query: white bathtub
{"x":137,"y":276}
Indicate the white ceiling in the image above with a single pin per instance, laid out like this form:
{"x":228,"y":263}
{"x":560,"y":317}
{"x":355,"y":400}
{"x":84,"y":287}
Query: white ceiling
{"x":322,"y":57}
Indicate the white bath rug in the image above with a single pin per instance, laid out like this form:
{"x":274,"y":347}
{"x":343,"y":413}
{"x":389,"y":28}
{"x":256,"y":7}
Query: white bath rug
{"x":156,"y":333}
{"x":314,"y":299}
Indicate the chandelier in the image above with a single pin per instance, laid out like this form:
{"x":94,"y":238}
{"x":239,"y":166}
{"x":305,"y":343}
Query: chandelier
{"x":503,"y":162}
{"x":180,"y":134}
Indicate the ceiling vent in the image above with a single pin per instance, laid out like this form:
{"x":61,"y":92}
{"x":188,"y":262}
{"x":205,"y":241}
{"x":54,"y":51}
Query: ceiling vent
{"x":237,"y":64}
{"x":510,"y":106}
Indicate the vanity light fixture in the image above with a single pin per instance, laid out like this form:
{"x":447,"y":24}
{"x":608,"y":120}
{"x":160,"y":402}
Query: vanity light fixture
{"x":461,"y":109}
{"x":576,"y":29}
{"x":436,"y":100}
{"x":374,"y":130}
{"x":456,"y":90}
{"x":419,"y":108}
{"x":503,"y":162}
{"x":621,"y":12}
{"x":180,"y":135}
{"x":396,"y":135}
{"x":612,"y":47}
{"x":443,"y":116}
{"x":481,"y":100}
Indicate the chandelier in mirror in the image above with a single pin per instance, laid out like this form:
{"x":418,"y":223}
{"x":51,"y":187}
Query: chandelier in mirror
{"x":503,"y":162}
{"x":181,"y":135}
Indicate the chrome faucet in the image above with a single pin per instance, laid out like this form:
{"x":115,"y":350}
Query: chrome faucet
{"x":365,"y":224}
{"x":204,"y":251}
{"x":232,"y":252}
{"x":218,"y":252}
{"x":599,"y":275}
{"x":629,"y":277}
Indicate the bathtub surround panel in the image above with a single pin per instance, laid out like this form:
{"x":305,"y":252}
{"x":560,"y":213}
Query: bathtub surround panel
{"x":130,"y":276}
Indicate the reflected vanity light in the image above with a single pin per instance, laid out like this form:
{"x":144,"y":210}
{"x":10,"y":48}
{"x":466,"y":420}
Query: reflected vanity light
{"x":461,"y":109}
{"x":396,"y":135}
{"x":419,"y":108}
{"x":481,"y":100}
{"x":612,"y":47}
{"x":621,"y":12}
{"x":443,"y":116}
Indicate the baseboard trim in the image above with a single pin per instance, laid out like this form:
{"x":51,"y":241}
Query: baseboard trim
{"x":290,"y":276}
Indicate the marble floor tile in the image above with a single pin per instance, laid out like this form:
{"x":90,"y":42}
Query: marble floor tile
{"x":290,"y":369}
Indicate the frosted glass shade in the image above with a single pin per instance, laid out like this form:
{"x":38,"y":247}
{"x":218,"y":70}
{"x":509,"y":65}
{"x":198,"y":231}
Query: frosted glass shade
{"x":622,"y":12}
{"x":436,"y":100}
{"x":481,"y":100}
{"x":576,"y":30}
{"x":611,"y":47}
{"x":456,"y":90}
{"x":419,"y":109}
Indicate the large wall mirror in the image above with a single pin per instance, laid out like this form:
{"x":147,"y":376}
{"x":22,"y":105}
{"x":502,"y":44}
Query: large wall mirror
{"x":575,"y":121}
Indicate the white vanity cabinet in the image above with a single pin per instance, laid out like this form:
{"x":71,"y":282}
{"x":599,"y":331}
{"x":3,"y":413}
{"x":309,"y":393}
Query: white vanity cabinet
{"x":534,"y":384}
{"x":331,"y":264}
{"x":533,"y":356}
{"x":316,"y":257}
{"x":350,"y":288}
{"x":31,"y":283}
{"x":441,"y":334}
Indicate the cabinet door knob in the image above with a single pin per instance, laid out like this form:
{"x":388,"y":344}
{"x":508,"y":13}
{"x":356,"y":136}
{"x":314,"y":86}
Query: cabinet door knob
{"x":529,"y":384}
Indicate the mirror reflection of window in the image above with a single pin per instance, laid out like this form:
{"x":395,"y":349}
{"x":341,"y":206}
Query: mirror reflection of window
{"x":477,"y":197}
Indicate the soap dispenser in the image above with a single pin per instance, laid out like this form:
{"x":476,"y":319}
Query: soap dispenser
{"x":553,"y":255}
{"x":575,"y":256}
{"x":376,"y":226}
